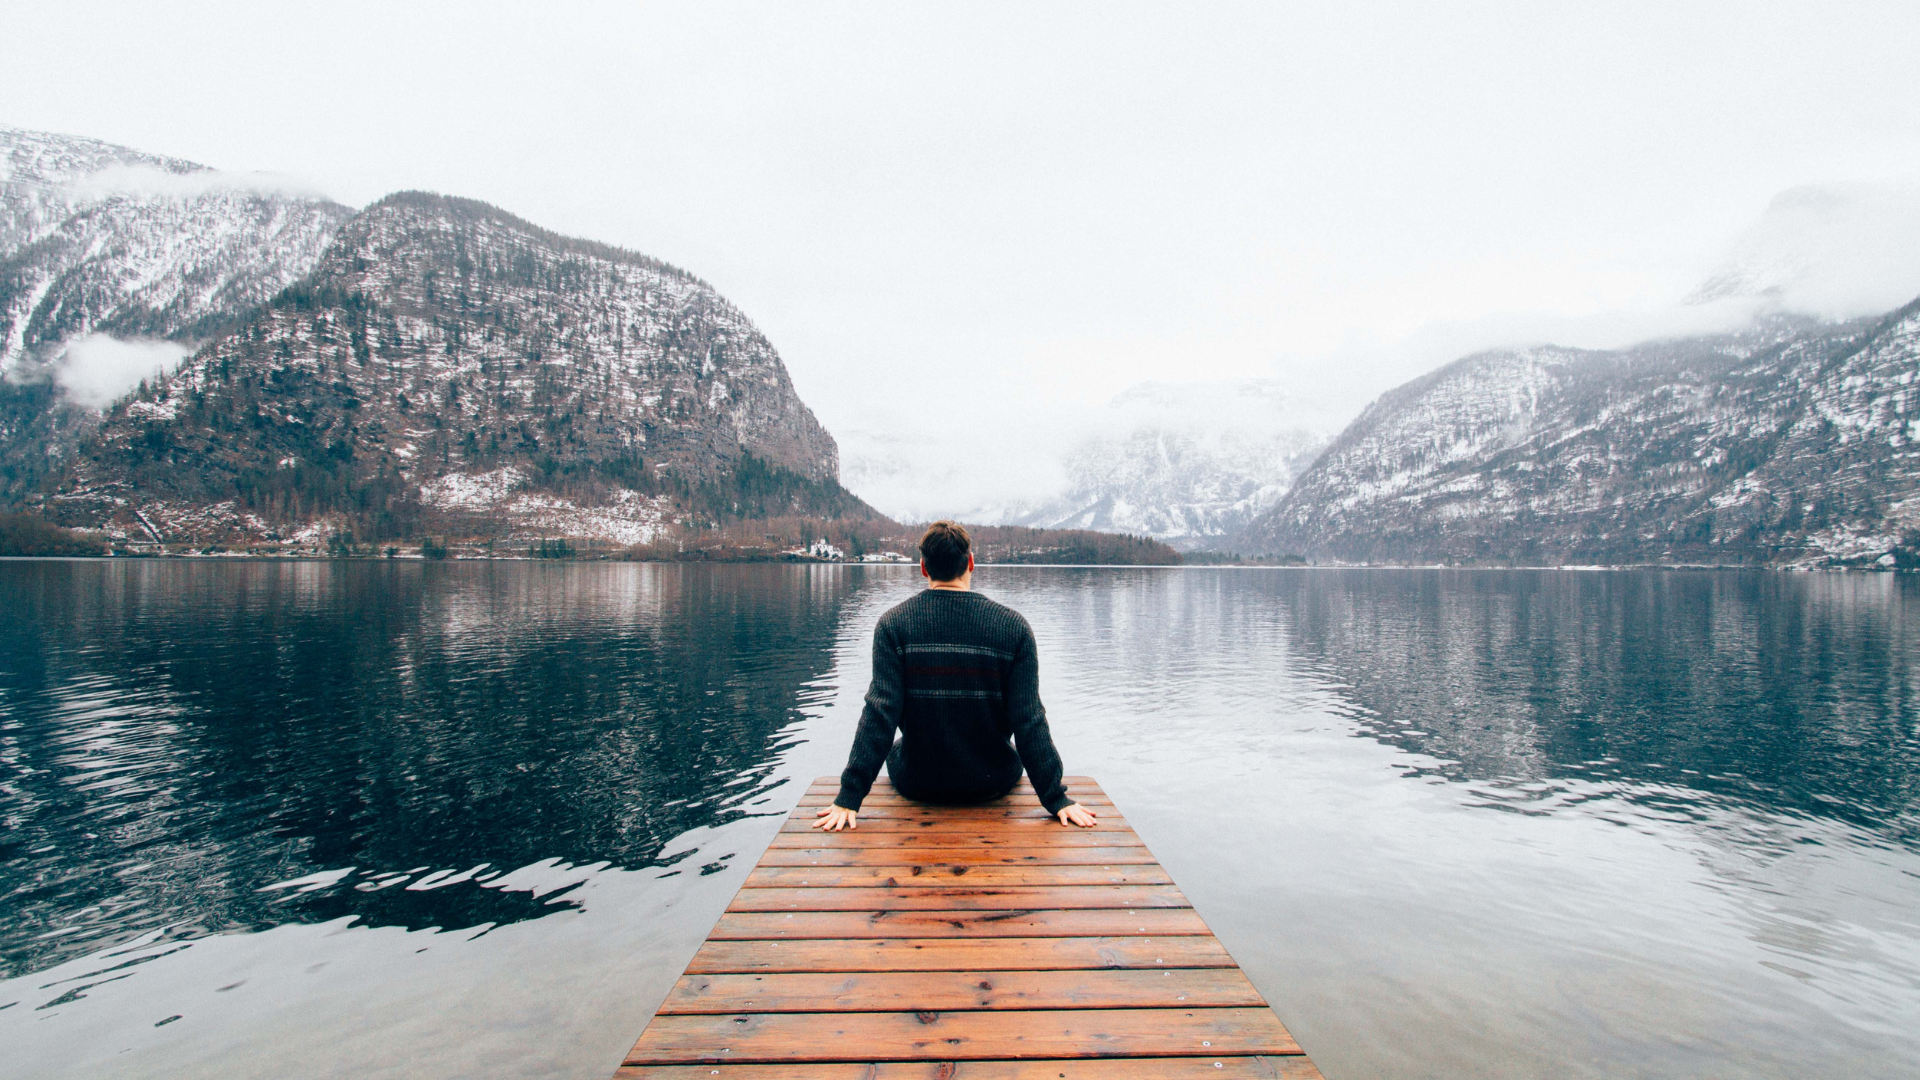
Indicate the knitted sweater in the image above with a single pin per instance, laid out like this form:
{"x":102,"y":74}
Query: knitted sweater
{"x":957,"y":674}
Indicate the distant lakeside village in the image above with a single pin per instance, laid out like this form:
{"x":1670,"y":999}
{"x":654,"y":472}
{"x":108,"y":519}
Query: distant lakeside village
{"x":25,"y":535}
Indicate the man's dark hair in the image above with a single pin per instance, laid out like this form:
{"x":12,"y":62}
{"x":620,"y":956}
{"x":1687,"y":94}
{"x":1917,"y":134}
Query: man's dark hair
{"x":944,"y":548}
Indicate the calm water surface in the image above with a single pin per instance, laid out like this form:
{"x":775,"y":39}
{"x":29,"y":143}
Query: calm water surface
{"x":380,"y":819}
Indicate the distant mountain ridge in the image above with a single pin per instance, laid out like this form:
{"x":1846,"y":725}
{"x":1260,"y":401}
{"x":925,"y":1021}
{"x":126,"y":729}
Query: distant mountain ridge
{"x":1189,"y":464}
{"x":1789,"y":444}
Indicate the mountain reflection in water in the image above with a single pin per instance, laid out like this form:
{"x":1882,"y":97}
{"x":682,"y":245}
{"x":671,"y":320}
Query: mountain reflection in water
{"x":179,"y":735}
{"x":1792,"y":693}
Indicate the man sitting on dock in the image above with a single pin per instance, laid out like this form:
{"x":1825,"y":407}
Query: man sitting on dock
{"x":958,"y":675}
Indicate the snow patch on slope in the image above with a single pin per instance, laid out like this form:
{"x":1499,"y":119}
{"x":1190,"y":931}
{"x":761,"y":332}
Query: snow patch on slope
{"x":626,"y":517}
{"x":473,"y":492}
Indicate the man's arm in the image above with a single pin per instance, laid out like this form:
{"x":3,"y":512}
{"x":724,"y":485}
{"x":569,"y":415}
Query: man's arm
{"x":873,"y":739}
{"x":1030,"y":734}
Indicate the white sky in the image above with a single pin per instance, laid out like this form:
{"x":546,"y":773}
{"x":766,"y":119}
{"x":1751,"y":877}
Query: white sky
{"x":1036,"y":205}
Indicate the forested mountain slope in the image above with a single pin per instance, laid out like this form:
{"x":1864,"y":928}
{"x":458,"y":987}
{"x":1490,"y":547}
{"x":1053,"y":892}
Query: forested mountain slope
{"x":449,"y":366}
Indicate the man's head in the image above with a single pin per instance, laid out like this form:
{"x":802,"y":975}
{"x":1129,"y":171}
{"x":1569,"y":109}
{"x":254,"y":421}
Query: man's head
{"x":946,"y":551}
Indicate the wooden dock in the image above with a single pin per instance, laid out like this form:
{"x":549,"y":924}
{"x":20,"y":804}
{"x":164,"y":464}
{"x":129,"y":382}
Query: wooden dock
{"x":977,"y":943}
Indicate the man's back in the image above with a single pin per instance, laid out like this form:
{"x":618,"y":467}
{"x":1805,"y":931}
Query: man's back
{"x":958,"y":675}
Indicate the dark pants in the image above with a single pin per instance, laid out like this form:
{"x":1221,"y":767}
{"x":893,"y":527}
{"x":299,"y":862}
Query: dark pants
{"x":944,"y":790}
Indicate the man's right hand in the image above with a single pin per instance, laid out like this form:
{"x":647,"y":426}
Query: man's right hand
{"x":1075,"y":814}
{"x":834,"y":818}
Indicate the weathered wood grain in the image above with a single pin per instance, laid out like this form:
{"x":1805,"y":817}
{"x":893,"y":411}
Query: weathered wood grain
{"x":1200,"y":1068}
{"x":896,"y":855}
{"x":816,"y":801}
{"x":962,"y":943}
{"x":979,"y":838}
{"x":957,"y":897}
{"x":795,"y":925}
{"x":923,"y":822}
{"x":905,"y":991}
{"x":959,"y":954}
{"x":989,"y":813}
{"x":956,"y":875}
{"x":954,"y":1036}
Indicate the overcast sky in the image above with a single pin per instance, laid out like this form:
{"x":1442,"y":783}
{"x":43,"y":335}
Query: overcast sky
{"x":1031,"y":206}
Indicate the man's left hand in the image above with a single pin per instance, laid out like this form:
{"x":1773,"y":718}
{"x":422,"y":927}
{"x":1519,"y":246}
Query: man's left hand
{"x":1075,"y":814}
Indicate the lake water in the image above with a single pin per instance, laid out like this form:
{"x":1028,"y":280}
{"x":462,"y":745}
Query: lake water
{"x":399,"y":819}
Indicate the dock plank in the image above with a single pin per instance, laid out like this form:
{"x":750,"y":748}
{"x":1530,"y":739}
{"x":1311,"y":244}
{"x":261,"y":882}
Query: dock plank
{"x":959,"y":954}
{"x":1202,"y":1068}
{"x":977,"y":839}
{"x":923,"y":823}
{"x":957,"y":897}
{"x":903,"y":808}
{"x":962,"y":943}
{"x":942,"y":991}
{"x":958,"y":1036}
{"x":956,"y":875}
{"x":1021,"y":797}
{"x":1053,"y":855}
{"x":1099,"y":922}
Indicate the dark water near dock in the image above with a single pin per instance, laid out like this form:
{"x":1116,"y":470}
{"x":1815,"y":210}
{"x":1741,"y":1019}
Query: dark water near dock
{"x":432,"y":819}
{"x":180,"y":735}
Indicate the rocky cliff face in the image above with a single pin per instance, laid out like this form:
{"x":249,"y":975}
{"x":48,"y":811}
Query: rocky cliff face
{"x":448,"y":365}
{"x":99,"y":245}
{"x":1788,"y":444}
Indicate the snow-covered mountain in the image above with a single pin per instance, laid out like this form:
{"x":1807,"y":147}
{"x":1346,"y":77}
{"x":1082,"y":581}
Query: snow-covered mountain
{"x":428,"y":361}
{"x":99,"y":239}
{"x":1186,"y":463}
{"x":1841,"y":249}
{"x":113,"y":264}
{"x":40,"y":171}
{"x":449,"y":365}
{"x":1790,"y":443}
